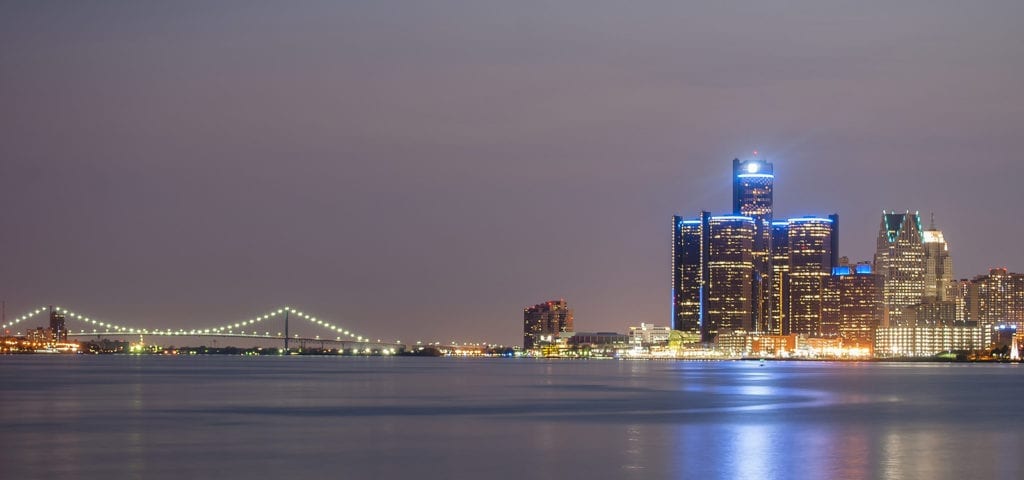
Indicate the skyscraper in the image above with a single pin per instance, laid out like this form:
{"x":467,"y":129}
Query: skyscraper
{"x":687,"y":273}
{"x":753,"y":182}
{"x":729,"y":287}
{"x":713,"y":271}
{"x":58,"y":331}
{"x":779,"y":288}
{"x":938,"y":265}
{"x":544,"y":321}
{"x":811,"y":258}
{"x":899,"y":258}
{"x":745,"y":271}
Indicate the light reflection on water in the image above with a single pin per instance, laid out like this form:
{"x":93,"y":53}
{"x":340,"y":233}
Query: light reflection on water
{"x":160,"y":417}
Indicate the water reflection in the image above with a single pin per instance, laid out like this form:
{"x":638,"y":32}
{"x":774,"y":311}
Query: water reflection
{"x":389,"y":418}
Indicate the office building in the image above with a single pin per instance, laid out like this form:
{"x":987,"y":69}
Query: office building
{"x":916,"y":341}
{"x":713,"y":274}
{"x":779,"y":288}
{"x":899,"y":258}
{"x":747,"y":272}
{"x":752,"y":196}
{"x":812,"y":254}
{"x":730,"y":289}
{"x":853,"y":305}
{"x":687,"y":273}
{"x":996,"y":299}
{"x":938,"y":265}
{"x":542,"y":323}
{"x":648,"y":334}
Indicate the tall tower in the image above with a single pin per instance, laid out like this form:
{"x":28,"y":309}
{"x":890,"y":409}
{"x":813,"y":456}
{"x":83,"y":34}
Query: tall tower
{"x":899,"y":259}
{"x":938,"y":265}
{"x":811,"y":258}
{"x":687,"y":273}
{"x":58,"y":331}
{"x":753,"y":182}
{"x":729,"y":288}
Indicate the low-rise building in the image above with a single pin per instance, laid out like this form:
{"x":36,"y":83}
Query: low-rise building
{"x":916,"y":341}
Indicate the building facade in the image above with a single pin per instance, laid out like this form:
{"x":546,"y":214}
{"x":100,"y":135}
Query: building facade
{"x":938,"y":266}
{"x":853,"y":305}
{"x":899,"y":258}
{"x":812,"y":255}
{"x":687,"y":273}
{"x":544,"y":322}
{"x":996,"y":299}
{"x":916,"y":341}
{"x":746,"y":271}
{"x":753,"y":182}
{"x":58,"y":328}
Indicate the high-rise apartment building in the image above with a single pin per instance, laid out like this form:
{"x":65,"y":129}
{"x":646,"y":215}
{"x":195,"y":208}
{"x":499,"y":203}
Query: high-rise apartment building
{"x":996,"y":298}
{"x":899,"y":258}
{"x":812,"y":254}
{"x":58,"y":330}
{"x":853,"y":305}
{"x":542,"y":323}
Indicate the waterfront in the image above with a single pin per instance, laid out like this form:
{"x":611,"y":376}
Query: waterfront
{"x":378,"y":417}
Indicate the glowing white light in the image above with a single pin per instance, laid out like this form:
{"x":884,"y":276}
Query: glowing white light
{"x":753,"y":167}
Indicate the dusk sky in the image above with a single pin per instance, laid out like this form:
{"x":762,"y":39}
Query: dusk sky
{"x":422,"y":170}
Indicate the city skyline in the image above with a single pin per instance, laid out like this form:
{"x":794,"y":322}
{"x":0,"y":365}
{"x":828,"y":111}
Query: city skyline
{"x":425,"y":170}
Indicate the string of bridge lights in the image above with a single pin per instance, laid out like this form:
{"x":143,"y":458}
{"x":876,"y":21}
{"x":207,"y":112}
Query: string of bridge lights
{"x":229,"y":329}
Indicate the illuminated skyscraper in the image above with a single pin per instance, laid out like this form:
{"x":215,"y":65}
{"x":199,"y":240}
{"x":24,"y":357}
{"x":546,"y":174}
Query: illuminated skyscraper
{"x":812,"y":254}
{"x":730,"y":288}
{"x":544,"y":321}
{"x":687,"y":273}
{"x":853,"y":304}
{"x":753,"y":181}
{"x":58,"y":331}
{"x":938,"y":266}
{"x":899,"y":258}
{"x":713,"y":271}
{"x":779,"y":279}
{"x":744,"y":271}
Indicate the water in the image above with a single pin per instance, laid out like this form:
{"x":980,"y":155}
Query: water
{"x":339,"y":417}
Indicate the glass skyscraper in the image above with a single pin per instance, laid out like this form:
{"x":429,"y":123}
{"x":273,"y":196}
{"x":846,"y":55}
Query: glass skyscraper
{"x":899,"y":259}
{"x":753,"y":182}
{"x":938,"y":265}
{"x":812,"y":254}
{"x":747,"y":272}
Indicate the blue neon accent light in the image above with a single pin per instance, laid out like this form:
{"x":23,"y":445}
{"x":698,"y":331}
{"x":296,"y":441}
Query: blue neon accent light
{"x":755,"y":175}
{"x":732,"y":217}
{"x":840,"y":271}
{"x":691,"y":222}
{"x":863,"y":268}
{"x":810,"y":219}
{"x":780,"y":223}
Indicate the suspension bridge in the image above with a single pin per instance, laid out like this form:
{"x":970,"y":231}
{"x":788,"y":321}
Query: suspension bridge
{"x":257,"y":327}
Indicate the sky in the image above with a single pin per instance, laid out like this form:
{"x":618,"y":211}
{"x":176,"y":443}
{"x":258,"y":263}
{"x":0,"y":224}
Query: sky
{"x":424,"y":170}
